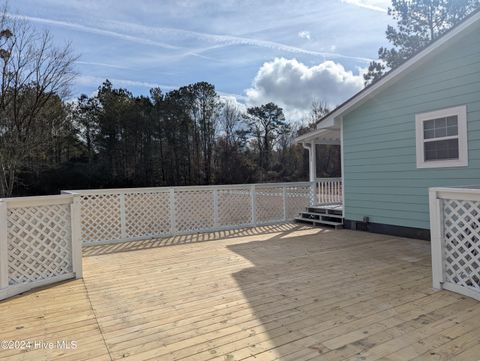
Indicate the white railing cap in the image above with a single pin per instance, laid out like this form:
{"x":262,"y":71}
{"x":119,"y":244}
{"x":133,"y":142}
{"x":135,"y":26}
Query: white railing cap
{"x":196,"y":187}
{"x":37,"y":200}
{"x":459,"y":193}
{"x":334,"y":179}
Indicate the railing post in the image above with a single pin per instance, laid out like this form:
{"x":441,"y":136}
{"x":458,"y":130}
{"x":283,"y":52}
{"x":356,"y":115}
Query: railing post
{"x":76,"y":229}
{"x":337,"y":191}
{"x":3,"y":245}
{"x":318,"y":191}
{"x":253,"y":196}
{"x":329,"y":191}
{"x":173,"y":225}
{"x":332,"y":192}
{"x":123,"y":221}
{"x":339,"y":197}
{"x":436,"y":239}
{"x":216,"y":221}
{"x":312,"y":194}
{"x":284,"y":192}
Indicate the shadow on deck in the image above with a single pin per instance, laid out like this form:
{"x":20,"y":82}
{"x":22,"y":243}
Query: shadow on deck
{"x":96,"y":250}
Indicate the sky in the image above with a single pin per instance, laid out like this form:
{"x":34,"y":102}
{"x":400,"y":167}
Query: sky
{"x":253,"y":51}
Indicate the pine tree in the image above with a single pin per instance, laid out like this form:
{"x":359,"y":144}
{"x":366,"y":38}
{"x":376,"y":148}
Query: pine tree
{"x":418,"y":23}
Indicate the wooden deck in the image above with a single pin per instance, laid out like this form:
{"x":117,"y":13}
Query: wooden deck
{"x":287,"y":292}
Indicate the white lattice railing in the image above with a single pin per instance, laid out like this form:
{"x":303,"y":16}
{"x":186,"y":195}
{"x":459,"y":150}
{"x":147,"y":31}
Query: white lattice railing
{"x":329,"y":190}
{"x":455,"y":237}
{"x":118,"y":215}
{"x":39,"y":242}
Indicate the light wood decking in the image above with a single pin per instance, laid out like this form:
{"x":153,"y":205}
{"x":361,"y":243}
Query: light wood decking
{"x":287,"y":292}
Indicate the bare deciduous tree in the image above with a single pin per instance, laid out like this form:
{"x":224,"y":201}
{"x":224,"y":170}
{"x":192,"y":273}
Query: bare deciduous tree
{"x":33,"y":73}
{"x":318,"y":110}
{"x":229,"y":121}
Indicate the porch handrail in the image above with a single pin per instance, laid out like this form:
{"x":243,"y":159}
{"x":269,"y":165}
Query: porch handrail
{"x":329,"y":190}
{"x":326,"y":179}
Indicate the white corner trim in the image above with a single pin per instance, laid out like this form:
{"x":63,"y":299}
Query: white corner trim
{"x":420,"y":118}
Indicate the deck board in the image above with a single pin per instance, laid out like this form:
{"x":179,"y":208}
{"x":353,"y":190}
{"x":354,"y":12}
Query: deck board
{"x":285,"y":292}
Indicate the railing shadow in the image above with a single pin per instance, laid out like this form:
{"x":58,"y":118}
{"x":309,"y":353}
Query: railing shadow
{"x":283,"y":228}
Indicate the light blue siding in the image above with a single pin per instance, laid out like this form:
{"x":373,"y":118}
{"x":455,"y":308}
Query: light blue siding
{"x":381,"y":178}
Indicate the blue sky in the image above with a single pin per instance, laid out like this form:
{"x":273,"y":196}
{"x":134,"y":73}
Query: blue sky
{"x":290,"y":52}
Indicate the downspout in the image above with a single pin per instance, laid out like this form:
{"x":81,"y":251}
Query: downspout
{"x":312,"y":161}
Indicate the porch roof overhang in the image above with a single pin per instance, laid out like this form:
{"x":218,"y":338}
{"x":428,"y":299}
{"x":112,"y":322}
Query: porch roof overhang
{"x":320,"y":136}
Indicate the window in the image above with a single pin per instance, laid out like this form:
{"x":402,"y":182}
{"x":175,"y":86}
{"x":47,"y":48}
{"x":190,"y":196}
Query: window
{"x":442,"y":138}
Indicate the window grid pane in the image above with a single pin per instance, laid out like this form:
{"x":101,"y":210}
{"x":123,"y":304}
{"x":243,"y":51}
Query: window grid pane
{"x":441,"y":150}
{"x":440,"y":127}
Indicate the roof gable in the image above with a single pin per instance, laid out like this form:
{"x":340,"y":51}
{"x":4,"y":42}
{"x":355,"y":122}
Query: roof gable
{"x":468,"y":25}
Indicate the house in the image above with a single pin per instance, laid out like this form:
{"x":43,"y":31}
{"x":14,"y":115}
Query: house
{"x":417,"y":127}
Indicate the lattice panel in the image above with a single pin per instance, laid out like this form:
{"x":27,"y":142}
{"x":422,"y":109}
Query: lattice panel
{"x":234,"y":207}
{"x":147,"y":214}
{"x":193,"y":210}
{"x":39,"y":243}
{"x":462,"y":243}
{"x":101,"y":219}
{"x":269,"y":204}
{"x":297,"y":199}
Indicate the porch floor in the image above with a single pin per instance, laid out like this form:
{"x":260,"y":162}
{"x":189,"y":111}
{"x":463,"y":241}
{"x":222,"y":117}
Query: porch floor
{"x":287,"y":292}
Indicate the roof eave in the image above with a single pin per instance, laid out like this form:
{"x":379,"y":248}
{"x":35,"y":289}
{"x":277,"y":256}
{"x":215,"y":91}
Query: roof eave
{"x":311,"y":137}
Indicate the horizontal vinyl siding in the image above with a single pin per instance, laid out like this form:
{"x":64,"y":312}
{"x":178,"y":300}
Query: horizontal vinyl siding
{"x":381,"y":178}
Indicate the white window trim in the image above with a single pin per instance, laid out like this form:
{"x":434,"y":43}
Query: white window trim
{"x":462,"y":161}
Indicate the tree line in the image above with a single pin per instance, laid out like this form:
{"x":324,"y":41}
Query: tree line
{"x":187,"y":136}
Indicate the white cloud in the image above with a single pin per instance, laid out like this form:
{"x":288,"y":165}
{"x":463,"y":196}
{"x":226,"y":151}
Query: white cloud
{"x":294,"y":85}
{"x":105,"y":65}
{"x":234,"y":100}
{"x":89,"y":80}
{"x":219,"y":41}
{"x":94,"y":30}
{"x":376,"y":5}
{"x":147,"y":35}
{"x":304,"y":35}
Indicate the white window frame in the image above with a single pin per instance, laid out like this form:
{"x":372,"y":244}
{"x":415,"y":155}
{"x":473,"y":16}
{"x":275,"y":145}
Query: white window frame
{"x":461,"y":113}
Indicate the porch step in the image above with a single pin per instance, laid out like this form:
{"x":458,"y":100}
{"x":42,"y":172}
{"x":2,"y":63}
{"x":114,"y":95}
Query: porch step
{"x":336,"y":225}
{"x":336,"y":209}
{"x":330,"y":215}
{"x":326,"y":214}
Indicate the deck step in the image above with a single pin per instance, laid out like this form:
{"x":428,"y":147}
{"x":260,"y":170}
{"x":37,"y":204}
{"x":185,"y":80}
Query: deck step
{"x":332,"y":215}
{"x":336,"y":225}
{"x":336,"y":212}
{"x":325,"y":214}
